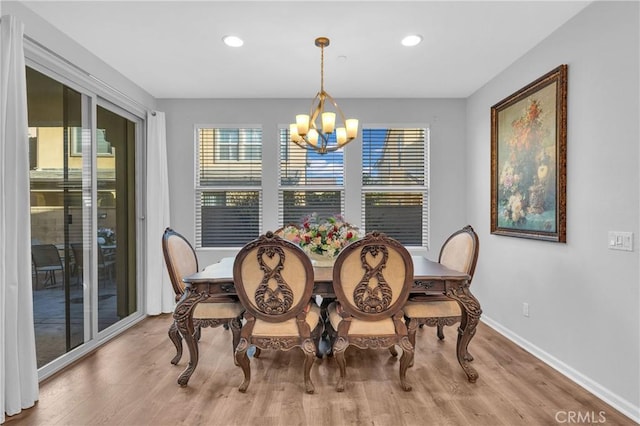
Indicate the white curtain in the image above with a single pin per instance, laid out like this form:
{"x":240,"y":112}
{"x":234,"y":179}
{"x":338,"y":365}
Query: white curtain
{"x":160,"y":296}
{"x":18,"y":366}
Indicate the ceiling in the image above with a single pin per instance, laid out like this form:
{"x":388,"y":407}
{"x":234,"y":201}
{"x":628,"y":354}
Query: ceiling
{"x":174,"y":49}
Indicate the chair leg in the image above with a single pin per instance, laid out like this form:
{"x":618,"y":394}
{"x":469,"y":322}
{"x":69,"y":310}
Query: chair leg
{"x":339,"y":348}
{"x":406,"y":360}
{"x":412,"y":327}
{"x":176,"y":338}
{"x":440,"y":332}
{"x":49,"y":277}
{"x":235,"y":326}
{"x":309,"y":357}
{"x":242,"y":360}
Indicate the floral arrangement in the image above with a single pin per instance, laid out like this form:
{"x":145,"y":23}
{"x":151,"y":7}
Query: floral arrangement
{"x":106,"y":236}
{"x":321,"y":236}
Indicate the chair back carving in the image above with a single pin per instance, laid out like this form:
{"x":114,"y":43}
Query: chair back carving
{"x":180,"y":258}
{"x":273,"y":278}
{"x":372,"y":277}
{"x":460,"y":251}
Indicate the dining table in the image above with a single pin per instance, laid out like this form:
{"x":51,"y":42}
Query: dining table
{"x":429,"y":277}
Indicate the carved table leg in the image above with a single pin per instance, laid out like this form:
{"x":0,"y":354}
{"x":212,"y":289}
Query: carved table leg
{"x":183,"y":315}
{"x":471,"y":312}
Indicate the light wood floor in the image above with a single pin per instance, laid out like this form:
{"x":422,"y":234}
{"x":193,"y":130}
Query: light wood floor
{"x":130,"y":381}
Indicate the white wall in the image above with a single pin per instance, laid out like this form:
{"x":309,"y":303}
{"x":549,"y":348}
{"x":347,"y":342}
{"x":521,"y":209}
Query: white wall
{"x":583,"y":297}
{"x":445,"y":117}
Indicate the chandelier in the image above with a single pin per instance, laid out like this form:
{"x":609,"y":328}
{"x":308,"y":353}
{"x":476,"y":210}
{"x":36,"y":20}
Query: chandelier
{"x":306,"y":132}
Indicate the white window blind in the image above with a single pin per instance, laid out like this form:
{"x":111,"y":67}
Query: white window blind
{"x":309,"y":182}
{"x":228,"y":186}
{"x":395,"y":183}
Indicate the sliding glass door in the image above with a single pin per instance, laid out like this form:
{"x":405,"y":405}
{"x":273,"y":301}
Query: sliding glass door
{"x":83,"y":215}
{"x":116,"y":217}
{"x":55,"y":126}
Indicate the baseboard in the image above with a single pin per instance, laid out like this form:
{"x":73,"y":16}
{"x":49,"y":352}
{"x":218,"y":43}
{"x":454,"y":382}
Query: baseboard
{"x":620,"y":404}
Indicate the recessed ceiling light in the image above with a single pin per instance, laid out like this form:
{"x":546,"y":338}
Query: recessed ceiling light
{"x":232,"y":41}
{"x":411,"y":40}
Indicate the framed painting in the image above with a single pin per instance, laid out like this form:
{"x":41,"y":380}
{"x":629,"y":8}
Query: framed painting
{"x":529,"y":160}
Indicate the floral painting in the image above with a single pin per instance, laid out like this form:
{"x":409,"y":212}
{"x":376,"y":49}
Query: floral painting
{"x":528,"y":160}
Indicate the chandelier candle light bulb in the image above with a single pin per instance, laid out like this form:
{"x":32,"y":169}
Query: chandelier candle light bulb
{"x":328,"y":122}
{"x":302,"y":121}
{"x":311,"y":136}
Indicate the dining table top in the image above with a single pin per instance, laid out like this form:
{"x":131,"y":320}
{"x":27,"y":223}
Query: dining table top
{"x":423,"y":270}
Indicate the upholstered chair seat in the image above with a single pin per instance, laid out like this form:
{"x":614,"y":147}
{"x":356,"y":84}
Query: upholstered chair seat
{"x":181,"y":261}
{"x":288,"y":327}
{"x":427,"y":308}
{"x":230,"y":309}
{"x":371,"y":278}
{"x":274,"y":281}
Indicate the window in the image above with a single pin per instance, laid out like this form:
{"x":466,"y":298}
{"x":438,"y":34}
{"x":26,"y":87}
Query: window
{"x":103,"y":146}
{"x":236,"y":144}
{"x":309,"y":182}
{"x":228,"y":186}
{"x":395,"y":183}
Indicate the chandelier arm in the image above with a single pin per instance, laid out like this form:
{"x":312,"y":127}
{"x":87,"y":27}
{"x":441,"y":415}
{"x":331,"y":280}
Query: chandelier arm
{"x":316,"y":109}
{"x":335,"y":105}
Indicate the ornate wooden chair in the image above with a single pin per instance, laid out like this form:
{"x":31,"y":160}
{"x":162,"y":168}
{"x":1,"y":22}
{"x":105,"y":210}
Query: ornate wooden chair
{"x":181,"y":261}
{"x":459,"y":252}
{"x":274,"y":280}
{"x":371,"y":278}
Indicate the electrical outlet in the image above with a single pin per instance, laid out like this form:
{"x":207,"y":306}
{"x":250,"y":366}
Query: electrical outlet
{"x":525,"y":309}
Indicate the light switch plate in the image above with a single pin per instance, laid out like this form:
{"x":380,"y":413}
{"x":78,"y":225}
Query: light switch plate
{"x":620,"y":240}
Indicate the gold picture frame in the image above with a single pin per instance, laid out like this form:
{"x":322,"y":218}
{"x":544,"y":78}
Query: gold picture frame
{"x":529,"y":160}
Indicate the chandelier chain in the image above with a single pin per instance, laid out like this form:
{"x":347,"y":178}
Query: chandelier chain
{"x":322,"y":68}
